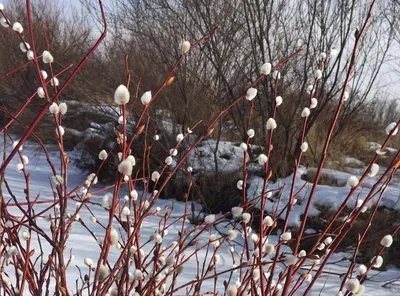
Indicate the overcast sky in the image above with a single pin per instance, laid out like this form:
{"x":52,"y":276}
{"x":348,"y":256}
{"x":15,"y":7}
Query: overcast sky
{"x":390,"y":74}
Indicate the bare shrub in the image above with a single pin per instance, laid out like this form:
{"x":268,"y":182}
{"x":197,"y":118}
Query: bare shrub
{"x":131,"y":241}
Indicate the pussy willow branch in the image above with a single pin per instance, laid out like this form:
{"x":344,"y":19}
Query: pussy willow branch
{"x":38,"y":118}
{"x":331,"y":129}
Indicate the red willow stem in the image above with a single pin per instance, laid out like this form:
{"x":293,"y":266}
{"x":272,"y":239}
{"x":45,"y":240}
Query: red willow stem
{"x":104,"y":252}
{"x":369,"y":196}
{"x":297,"y":164}
{"x":179,"y":164}
{"x":331,"y":128}
{"x":16,"y":69}
{"x":339,"y":239}
{"x":27,"y":102}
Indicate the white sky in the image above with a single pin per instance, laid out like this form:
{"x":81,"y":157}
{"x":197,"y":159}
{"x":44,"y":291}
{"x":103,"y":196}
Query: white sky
{"x":390,"y":79}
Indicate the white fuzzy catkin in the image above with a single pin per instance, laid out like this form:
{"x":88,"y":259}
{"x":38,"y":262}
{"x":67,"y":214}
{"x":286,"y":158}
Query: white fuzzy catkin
{"x":134,"y":194}
{"x":269,"y":249}
{"x":271,"y":124}
{"x":209,"y":219}
{"x":266,"y":69}
{"x":254,"y":238}
{"x":268,"y":221}
{"x":251,"y":133}
{"x":322,"y":55}
{"x":246,"y":217}
{"x":173,"y":152}
{"x":17,"y":27}
{"x":54,"y":81}
{"x":251,"y":93}
{"x":179,"y":269}
{"x":278,"y":100}
{"x":1,"y":6}
{"x":60,"y":130}
{"x":40,"y":92}
{"x":170,"y":261}
{"x":237,"y":211}
{"x":103,"y":155}
{"x":353,"y":285}
{"x":380,"y":151}
{"x":4,"y":22}
{"x":44,"y":74}
{"x":314,"y":103}
{"x":103,"y":272}
{"x":290,"y":259}
{"x":15,"y":143}
{"x":302,"y":254}
{"x":125,"y":211}
{"x":25,"y":235}
{"x":179,"y":137}
{"x":154,"y":176}
{"x":12,"y":251}
{"x":231,"y":290}
{"x":305,"y":112}
{"x":352,"y":181}
{"x":63,"y":108}
{"x":304,"y":147}
{"x":125,"y":167}
{"x":318,"y":74}
{"x":256,"y":273}
{"x":373,"y":170}
{"x":121,"y":95}
{"x":239,"y":184}
{"x":54,"y":108}
{"x":185,"y":46}
{"x":286,"y":236}
{"x":88,"y":262}
{"x":378,"y":261}
{"x":113,"y":237}
{"x":232,"y":234}
{"x":132,"y":159}
{"x":30,"y":55}
{"x":146,"y":98}
{"x":362,"y":269}
{"x":121,"y":120}
{"x":387,"y":241}
{"x":390,"y":127}
{"x":47,"y":57}
{"x":310,"y":88}
{"x":361,"y":290}
{"x":243,"y":147}
{"x":138,"y":275}
{"x":262,"y":159}
{"x":168,"y":160}
{"x":24,"y":46}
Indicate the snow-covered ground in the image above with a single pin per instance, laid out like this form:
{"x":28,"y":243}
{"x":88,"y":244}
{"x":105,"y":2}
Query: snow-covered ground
{"x":82,"y":245}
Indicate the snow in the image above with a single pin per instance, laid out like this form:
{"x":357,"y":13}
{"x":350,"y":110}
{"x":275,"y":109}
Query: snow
{"x":229,"y":156}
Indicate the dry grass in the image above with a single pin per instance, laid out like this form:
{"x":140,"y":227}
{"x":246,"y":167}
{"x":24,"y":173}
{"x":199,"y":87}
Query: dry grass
{"x":384,"y":222}
{"x":325,"y":178}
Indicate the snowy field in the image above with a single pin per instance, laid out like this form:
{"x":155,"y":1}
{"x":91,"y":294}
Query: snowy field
{"x":81,"y":244}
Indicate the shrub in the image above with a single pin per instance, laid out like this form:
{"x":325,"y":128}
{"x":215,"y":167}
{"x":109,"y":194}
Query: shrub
{"x":139,"y":244}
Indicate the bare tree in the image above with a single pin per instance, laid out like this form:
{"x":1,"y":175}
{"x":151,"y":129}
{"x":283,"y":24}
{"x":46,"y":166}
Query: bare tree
{"x":252,"y":33}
